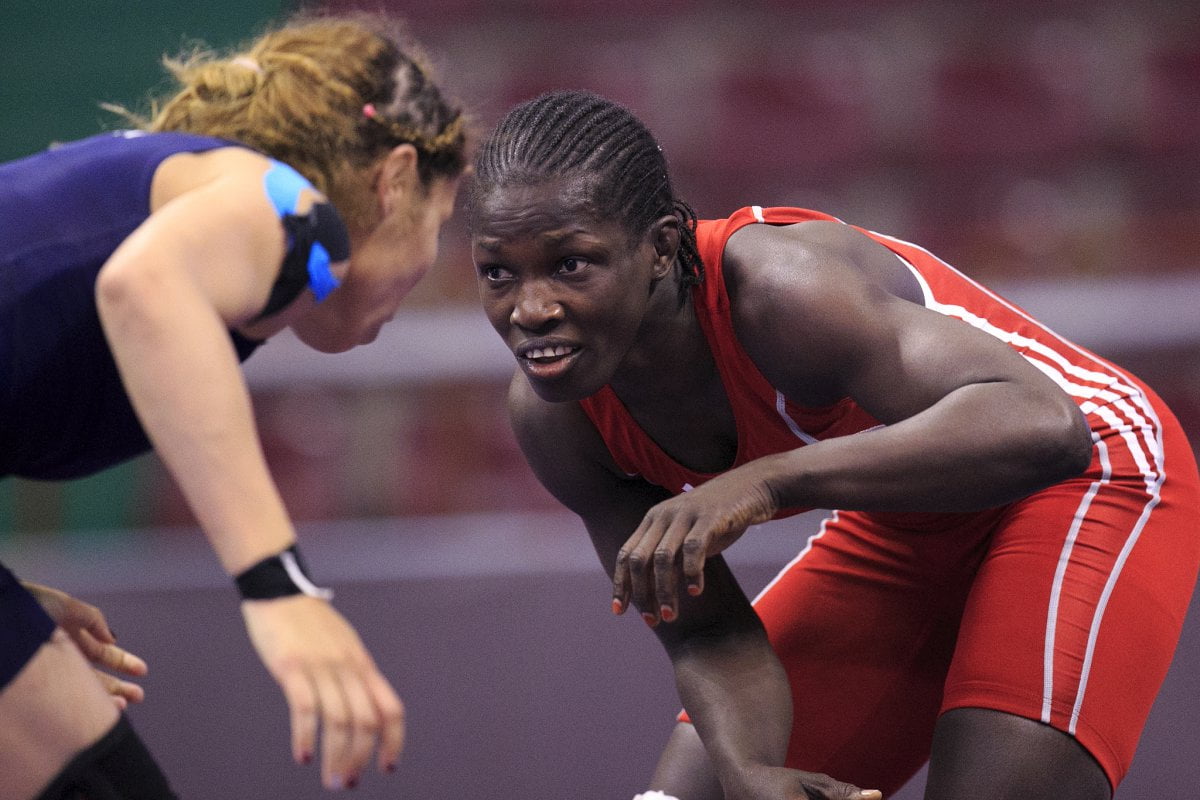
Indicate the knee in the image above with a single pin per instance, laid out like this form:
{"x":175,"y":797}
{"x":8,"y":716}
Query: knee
{"x":116,"y":767}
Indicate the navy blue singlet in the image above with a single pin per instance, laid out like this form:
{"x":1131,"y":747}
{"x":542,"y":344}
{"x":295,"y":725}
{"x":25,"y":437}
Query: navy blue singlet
{"x":64,"y":412}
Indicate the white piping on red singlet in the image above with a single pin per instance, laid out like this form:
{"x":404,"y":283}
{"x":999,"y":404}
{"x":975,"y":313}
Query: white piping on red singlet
{"x":1122,"y":406}
{"x":807,"y":547}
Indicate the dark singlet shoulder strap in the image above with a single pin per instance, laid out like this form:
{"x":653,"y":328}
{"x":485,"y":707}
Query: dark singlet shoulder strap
{"x":315,"y":240}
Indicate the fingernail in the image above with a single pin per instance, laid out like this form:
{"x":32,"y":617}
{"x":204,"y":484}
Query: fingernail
{"x":306,"y":758}
{"x":667,"y":613}
{"x":618,"y":607}
{"x":693,"y":589}
{"x":352,"y":782}
{"x":649,"y":619}
{"x":390,"y":766}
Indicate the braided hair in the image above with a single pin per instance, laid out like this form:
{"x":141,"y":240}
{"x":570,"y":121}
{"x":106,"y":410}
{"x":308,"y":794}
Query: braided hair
{"x":580,"y":133}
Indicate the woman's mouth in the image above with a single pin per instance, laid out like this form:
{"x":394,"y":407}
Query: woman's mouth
{"x":547,"y":363}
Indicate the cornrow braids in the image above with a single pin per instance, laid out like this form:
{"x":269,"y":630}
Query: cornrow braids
{"x":580,"y":133}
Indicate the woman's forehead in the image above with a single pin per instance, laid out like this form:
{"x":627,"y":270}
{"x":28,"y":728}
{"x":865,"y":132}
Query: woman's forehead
{"x":553,"y":205}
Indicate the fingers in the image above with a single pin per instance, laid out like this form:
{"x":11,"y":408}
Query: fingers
{"x":110,"y":656}
{"x":91,"y":621}
{"x":357,"y":712}
{"x":336,"y":696}
{"x":337,"y":731}
{"x":651,"y":563}
{"x":633,"y":576}
{"x":391,"y":716}
{"x":302,"y":709}
{"x":122,"y":692}
{"x":665,"y":580}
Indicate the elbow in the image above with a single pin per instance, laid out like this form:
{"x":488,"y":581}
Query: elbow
{"x":1064,"y":444}
{"x":119,"y":294}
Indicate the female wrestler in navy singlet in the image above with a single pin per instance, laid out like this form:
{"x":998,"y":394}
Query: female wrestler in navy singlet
{"x":298,"y":184}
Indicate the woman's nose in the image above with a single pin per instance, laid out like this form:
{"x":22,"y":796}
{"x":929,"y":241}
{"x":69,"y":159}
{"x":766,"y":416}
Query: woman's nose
{"x":535,"y":308}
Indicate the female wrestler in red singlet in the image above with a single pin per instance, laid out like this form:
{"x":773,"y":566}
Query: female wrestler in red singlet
{"x":1002,"y":585}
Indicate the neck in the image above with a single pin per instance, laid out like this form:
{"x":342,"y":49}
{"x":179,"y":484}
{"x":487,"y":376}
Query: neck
{"x":670,"y":357}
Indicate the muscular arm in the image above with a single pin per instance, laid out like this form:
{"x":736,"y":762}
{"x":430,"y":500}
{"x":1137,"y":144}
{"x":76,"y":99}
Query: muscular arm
{"x":827,"y":313}
{"x":726,"y":672}
{"x":970,"y":423}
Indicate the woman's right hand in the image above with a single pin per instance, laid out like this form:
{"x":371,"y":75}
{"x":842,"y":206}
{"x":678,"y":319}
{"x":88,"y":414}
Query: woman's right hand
{"x":329,"y":681}
{"x":781,"y":783}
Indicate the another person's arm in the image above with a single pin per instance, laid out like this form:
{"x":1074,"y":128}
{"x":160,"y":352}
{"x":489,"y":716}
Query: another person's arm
{"x":201,"y":264}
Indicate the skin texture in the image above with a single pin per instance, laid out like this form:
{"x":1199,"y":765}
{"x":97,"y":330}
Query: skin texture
{"x":825,"y":313}
{"x":202,"y":263}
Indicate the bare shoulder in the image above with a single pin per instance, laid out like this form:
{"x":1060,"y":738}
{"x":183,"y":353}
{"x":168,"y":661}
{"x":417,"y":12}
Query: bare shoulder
{"x":807,"y":298}
{"x":234,"y":173}
{"x":763,"y":260}
{"x":184,"y":173}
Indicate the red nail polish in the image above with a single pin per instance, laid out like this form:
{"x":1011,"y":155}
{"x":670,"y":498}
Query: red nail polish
{"x":667,"y":613}
{"x":618,"y":607}
{"x":693,"y":589}
{"x":649,"y":619}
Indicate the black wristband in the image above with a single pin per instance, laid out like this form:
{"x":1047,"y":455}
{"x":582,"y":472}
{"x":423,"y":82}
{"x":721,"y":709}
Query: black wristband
{"x":280,"y":575}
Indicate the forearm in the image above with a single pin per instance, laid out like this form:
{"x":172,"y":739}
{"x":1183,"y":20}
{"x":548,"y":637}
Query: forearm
{"x":980,"y":446}
{"x":185,"y":383}
{"x":737,"y":695}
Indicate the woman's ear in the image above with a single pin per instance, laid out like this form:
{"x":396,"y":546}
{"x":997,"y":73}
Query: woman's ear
{"x":398,"y":176}
{"x":664,"y":235}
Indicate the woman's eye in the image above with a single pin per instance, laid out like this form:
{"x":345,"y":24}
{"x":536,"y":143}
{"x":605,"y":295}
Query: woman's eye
{"x":572,"y":264}
{"x":492,"y":273}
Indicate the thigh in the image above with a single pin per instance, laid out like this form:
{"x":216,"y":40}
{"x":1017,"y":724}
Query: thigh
{"x":990,"y":755}
{"x":864,"y":622}
{"x":1076,"y":610}
{"x":52,"y":710}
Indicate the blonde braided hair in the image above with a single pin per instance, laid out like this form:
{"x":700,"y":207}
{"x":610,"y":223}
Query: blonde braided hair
{"x":326,"y":95}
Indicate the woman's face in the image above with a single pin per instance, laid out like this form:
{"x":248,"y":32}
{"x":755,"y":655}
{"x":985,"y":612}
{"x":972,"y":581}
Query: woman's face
{"x":567,"y":292}
{"x":387,"y":259}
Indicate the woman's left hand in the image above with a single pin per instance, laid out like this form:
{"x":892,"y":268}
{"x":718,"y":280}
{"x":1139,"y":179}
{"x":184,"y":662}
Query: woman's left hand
{"x":678,"y":534}
{"x":792,"y":784}
{"x":89,"y":630}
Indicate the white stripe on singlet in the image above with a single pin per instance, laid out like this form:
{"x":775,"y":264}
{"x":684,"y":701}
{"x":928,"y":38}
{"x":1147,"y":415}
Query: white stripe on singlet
{"x":1060,"y":571}
{"x":1120,"y":405}
{"x":781,"y":409}
{"x":807,"y":547}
